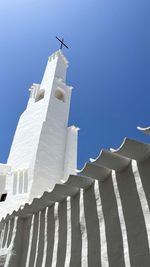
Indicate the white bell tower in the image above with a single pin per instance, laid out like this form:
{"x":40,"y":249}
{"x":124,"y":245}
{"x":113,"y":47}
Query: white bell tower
{"x":44,"y":148}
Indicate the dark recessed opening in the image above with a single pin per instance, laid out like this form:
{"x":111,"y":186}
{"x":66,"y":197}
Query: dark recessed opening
{"x":3,"y":197}
{"x":60,"y":95}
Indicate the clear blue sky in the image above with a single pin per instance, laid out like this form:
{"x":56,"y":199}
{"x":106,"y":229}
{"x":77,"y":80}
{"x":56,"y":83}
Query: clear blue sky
{"x":109,"y":59}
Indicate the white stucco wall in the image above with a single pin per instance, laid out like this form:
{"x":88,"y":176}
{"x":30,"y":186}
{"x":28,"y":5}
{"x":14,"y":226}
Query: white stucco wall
{"x":70,"y":160}
{"x":93,"y":219}
{"x":4,"y":170}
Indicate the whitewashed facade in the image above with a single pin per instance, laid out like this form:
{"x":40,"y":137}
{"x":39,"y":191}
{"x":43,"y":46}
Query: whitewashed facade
{"x":97,"y":218}
{"x":100,"y":217}
{"x":44,"y":148}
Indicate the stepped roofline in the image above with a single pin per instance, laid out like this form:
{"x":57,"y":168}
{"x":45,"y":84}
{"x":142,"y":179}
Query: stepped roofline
{"x":59,"y":53}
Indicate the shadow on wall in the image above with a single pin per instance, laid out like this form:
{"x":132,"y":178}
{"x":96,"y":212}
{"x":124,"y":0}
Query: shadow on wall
{"x":107,"y":223}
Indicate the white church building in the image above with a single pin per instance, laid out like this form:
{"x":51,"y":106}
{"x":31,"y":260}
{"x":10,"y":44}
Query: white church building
{"x":52,"y":217}
{"x":44,"y":148}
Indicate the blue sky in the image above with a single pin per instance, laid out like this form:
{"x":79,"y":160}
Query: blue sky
{"x":109,"y":59}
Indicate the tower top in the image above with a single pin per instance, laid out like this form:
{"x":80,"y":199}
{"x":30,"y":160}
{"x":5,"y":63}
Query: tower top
{"x":59,"y":54}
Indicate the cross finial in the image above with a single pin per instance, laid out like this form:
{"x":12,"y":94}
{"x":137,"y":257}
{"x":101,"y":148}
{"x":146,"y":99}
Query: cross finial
{"x":61,"y":43}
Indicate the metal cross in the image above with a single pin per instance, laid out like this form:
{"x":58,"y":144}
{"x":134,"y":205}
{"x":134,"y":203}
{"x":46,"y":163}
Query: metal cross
{"x":62,"y":43}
